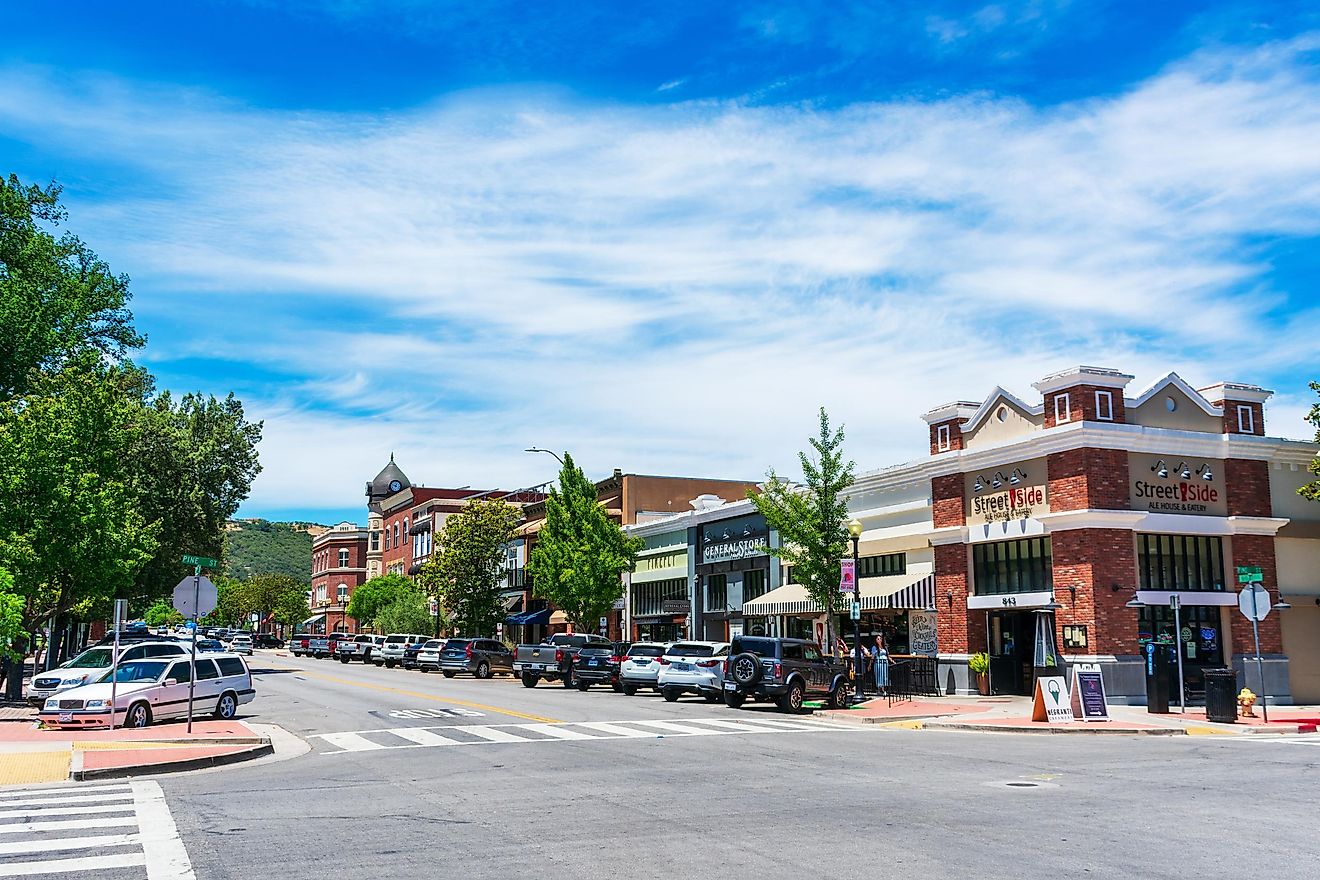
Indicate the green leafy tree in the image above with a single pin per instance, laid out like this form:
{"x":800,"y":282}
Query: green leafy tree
{"x":408,"y":612}
{"x":810,"y":520}
{"x":580,"y":553}
{"x":371,"y":598}
{"x":58,"y":299}
{"x":466,"y":572}
{"x":291,"y":609}
{"x":229,"y":603}
{"x":13,"y":637}
{"x":1312,"y":489}
{"x":263,"y":547}
{"x":261,"y":594}
{"x":162,"y":613}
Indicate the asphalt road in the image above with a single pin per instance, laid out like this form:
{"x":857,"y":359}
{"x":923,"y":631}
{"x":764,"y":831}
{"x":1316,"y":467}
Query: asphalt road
{"x":483,"y":791}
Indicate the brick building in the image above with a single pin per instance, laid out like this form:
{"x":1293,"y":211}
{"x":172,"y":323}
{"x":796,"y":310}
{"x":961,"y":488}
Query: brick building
{"x":339,"y":566}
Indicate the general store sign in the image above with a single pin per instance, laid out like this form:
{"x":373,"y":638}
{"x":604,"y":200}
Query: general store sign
{"x":1177,"y":484}
{"x":1007,"y":493}
{"x":738,"y":539}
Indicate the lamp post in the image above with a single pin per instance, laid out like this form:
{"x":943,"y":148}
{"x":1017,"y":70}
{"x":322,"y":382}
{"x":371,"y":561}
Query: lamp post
{"x":855,"y":531}
{"x":547,"y":452}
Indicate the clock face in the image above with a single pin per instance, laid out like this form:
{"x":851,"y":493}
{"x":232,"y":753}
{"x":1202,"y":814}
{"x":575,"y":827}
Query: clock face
{"x":395,"y":485}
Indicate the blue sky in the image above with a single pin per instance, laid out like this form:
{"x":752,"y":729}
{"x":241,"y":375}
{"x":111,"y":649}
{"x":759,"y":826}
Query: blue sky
{"x":660,"y":235}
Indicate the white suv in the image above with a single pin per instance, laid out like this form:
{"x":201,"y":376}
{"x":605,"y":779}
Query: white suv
{"x":91,"y":665}
{"x":641,"y":666}
{"x":390,"y":653}
{"x":693,"y":668}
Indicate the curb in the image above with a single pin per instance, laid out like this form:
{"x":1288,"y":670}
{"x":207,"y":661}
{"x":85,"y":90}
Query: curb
{"x":844,"y":718}
{"x":78,"y":774}
{"x":1097,"y":730}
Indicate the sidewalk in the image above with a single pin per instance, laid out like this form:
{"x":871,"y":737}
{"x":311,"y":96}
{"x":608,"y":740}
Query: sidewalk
{"x":31,"y":755}
{"x":1013,"y":715}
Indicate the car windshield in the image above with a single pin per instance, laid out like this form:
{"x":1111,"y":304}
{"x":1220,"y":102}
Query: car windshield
{"x":96,"y":658}
{"x":690,"y":650}
{"x":208,"y":645}
{"x":138,"y":670}
{"x":646,"y":651}
{"x":434,"y":643}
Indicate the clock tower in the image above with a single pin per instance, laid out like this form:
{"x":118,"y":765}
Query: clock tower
{"x":390,"y":481}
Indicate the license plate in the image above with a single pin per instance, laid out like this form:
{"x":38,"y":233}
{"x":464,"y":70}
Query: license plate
{"x":593,"y":662}
{"x":730,"y":686}
{"x":683,"y":667}
{"x":66,"y":716}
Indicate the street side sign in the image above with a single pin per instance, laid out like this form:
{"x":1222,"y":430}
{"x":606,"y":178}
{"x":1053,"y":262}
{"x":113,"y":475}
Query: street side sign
{"x":203,"y":592}
{"x":1051,"y":703}
{"x":847,"y":576}
{"x":201,"y":561}
{"x":1254,"y":602}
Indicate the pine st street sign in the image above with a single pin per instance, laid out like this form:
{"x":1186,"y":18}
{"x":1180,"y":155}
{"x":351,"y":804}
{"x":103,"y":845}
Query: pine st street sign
{"x":1250,"y":574}
{"x":201,"y":562}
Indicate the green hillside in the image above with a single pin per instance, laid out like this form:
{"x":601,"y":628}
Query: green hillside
{"x":262,"y":547}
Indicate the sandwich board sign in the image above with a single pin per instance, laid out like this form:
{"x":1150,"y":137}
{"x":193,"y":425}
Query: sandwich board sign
{"x":1088,"y":693}
{"x":1051,"y":703}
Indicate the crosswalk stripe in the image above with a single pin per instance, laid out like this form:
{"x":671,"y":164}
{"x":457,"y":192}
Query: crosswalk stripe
{"x":557,"y":731}
{"x":350,"y":742}
{"x":86,"y":798}
{"x":166,"y":858}
{"x":64,"y":789}
{"x":748,"y":726}
{"x":423,"y":737}
{"x":42,"y":812}
{"x":63,"y":843}
{"x":65,"y":825}
{"x":784,"y":725}
{"x":492,"y":734}
{"x":60,"y":866}
{"x":614,"y":729}
{"x":684,"y":729}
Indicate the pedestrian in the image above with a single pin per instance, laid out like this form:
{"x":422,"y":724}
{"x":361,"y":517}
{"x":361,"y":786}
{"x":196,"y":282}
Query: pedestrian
{"x":881,"y":665}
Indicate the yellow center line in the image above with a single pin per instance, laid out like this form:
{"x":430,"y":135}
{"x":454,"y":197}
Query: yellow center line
{"x":421,"y":696}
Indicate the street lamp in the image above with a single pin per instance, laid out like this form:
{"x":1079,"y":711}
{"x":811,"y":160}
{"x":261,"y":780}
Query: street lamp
{"x":855,"y":531}
{"x":547,"y":452}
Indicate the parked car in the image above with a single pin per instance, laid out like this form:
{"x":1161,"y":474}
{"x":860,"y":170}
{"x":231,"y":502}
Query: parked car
{"x":241,"y":644}
{"x":693,"y":668}
{"x":392,"y":649}
{"x":428,"y":657}
{"x":154,"y":690}
{"x":132,"y":636}
{"x":787,"y":671}
{"x":359,"y":647}
{"x":266,"y":640}
{"x":553,"y":658}
{"x":327,"y":645}
{"x":210,"y":646}
{"x":599,"y":664}
{"x":481,"y":657}
{"x":410,"y":653}
{"x":640,"y":666}
{"x":91,"y":665}
{"x":300,"y":644}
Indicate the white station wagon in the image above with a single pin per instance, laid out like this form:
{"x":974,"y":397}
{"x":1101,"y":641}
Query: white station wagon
{"x":154,"y":690}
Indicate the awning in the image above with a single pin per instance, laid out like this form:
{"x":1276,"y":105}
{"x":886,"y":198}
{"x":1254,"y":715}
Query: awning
{"x":893,"y":591}
{"x":315,"y":618}
{"x":529,"y":618}
{"x":558,"y":618}
{"x":512,"y":602}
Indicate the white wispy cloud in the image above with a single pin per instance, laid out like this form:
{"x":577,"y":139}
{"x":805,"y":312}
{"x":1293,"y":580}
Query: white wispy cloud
{"x":675,"y":289}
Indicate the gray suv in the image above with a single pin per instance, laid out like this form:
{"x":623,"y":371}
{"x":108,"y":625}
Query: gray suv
{"x":481,"y":657}
{"x":787,"y":671}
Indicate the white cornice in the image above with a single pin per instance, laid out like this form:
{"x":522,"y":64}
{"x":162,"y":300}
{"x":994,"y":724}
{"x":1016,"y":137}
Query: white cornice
{"x":1256,"y":525}
{"x":959,"y":409}
{"x":1091,"y":519}
{"x":1235,"y":391}
{"x":1177,"y":382}
{"x":1101,"y":377}
{"x":948,"y":535}
{"x":988,"y":405}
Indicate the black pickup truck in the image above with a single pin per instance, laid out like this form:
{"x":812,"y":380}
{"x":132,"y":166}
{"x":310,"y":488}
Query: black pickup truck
{"x":787,"y":671}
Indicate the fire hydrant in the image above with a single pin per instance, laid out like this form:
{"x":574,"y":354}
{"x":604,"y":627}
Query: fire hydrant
{"x":1247,"y":700}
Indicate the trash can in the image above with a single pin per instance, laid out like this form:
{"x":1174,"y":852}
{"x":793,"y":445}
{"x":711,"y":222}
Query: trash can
{"x":1221,"y":695}
{"x":1157,"y":678}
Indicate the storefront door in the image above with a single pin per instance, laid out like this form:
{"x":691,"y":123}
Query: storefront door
{"x":1012,"y":635}
{"x":1201,"y":639}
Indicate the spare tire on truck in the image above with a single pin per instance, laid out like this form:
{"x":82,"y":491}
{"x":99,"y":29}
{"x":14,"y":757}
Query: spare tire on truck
{"x":745,"y":669}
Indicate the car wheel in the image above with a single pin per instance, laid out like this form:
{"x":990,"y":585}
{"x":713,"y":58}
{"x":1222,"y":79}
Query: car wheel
{"x":483,"y":669}
{"x":712,"y":698}
{"x":618,"y":687}
{"x":449,"y":674}
{"x":745,"y":668}
{"x":583,"y":686}
{"x":670,"y":694}
{"x":839,"y":697}
{"x":570,"y":680}
{"x":630,"y":690}
{"x":389,"y":664}
{"x":344,"y":660}
{"x":733,"y":699}
{"x":366,"y":658}
{"x":529,"y":680}
{"x":227,"y":707}
{"x":139,"y":715}
{"x":791,"y":702}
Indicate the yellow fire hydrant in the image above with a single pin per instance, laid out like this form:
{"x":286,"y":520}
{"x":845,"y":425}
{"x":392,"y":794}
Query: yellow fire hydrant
{"x":1247,"y":700}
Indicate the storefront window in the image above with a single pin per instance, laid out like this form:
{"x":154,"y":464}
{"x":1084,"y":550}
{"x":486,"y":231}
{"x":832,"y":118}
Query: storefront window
{"x":659,"y":632}
{"x":717,"y":592}
{"x":880,"y":566}
{"x":1024,"y":566}
{"x":649,"y":598}
{"x":754,"y":583}
{"x":1180,"y":562}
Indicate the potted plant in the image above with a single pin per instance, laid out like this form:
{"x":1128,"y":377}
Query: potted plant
{"x":979,"y":664}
